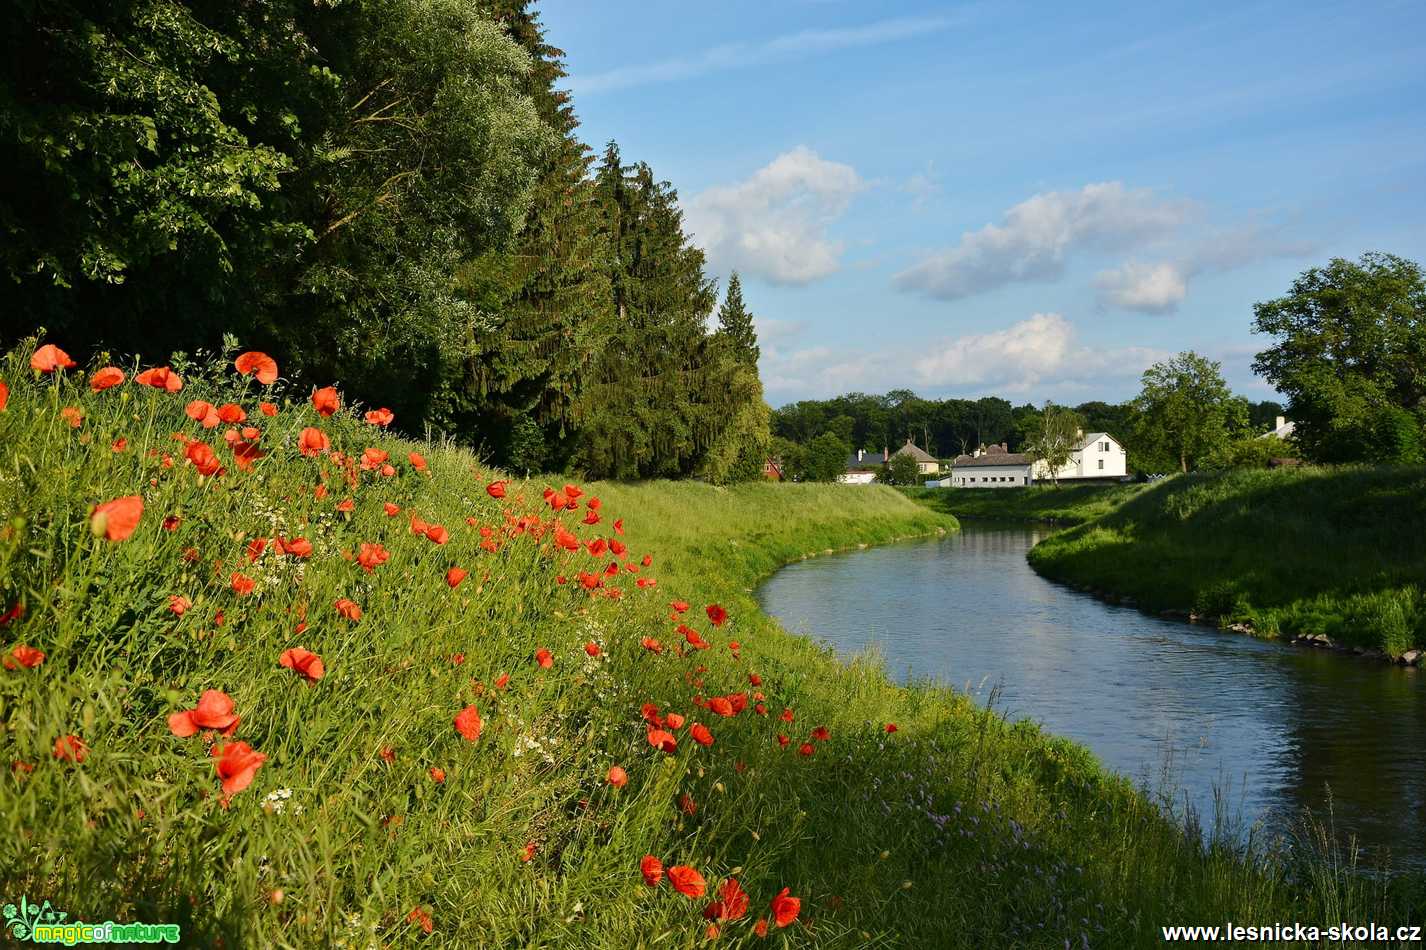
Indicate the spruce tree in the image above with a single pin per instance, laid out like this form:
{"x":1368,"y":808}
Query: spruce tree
{"x":735,"y":323}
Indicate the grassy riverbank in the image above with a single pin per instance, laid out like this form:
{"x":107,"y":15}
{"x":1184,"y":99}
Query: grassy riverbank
{"x":1065,"y":505}
{"x":374,"y":820}
{"x":1288,"y":551}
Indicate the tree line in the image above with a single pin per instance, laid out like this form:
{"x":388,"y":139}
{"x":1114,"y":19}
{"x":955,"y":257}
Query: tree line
{"x":1348,"y":350}
{"x":387,"y":194}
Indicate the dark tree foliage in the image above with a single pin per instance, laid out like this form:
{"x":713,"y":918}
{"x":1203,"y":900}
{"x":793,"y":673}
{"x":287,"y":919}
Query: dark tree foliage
{"x":389,"y":195}
{"x":1349,"y":353}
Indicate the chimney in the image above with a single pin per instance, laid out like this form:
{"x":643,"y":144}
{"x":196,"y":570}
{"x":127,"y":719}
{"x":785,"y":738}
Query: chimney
{"x":885,"y":455}
{"x":860,"y":454}
{"x":1281,"y":421}
{"x":1004,"y":447}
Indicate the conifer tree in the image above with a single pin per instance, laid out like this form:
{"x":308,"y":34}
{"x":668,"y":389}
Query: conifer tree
{"x":736,"y":324}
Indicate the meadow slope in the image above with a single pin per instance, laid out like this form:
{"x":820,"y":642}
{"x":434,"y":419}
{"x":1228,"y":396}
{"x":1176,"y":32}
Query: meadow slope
{"x":490,"y":650}
{"x":1335,"y":551}
{"x":1062,"y":504}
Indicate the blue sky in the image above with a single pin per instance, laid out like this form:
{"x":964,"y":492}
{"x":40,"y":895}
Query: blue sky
{"x":1031,"y":200}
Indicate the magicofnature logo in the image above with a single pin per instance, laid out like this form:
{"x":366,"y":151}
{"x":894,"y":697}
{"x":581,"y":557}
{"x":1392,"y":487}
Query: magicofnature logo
{"x":42,"y":924}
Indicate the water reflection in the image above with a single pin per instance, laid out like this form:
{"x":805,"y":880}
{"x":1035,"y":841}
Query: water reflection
{"x":1174,"y":706}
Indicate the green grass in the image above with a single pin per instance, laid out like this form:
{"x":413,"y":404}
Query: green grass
{"x":1340,"y":551}
{"x":958,"y":830}
{"x":1065,"y":504}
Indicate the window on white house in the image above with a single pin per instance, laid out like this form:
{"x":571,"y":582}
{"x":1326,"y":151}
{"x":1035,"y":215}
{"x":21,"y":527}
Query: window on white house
{"x":1104,"y":447}
{"x":1101,"y":465}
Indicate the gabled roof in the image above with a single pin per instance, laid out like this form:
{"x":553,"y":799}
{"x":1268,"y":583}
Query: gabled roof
{"x":1094,"y":437}
{"x":992,"y":459}
{"x":911,"y":449}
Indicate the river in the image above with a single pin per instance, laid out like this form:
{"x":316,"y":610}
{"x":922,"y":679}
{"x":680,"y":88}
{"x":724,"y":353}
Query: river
{"x":1193,"y":714}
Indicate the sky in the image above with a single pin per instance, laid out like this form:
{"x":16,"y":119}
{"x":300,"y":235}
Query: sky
{"x":1029,"y":200}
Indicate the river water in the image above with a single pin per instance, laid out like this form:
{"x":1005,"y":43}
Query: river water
{"x":1195,"y":715}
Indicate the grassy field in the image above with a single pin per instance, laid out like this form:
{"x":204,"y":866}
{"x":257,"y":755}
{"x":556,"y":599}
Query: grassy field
{"x":1065,"y":504}
{"x":1288,"y":551}
{"x":446,"y":781}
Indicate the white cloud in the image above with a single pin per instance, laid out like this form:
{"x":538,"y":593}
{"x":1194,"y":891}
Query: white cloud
{"x":1035,"y":358}
{"x":1039,"y":233}
{"x":775,"y":223}
{"x":1146,"y":288}
{"x":922,"y":187}
{"x":740,"y":55}
{"x":1161,"y":287}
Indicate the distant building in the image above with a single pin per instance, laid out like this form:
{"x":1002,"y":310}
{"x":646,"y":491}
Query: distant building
{"x":1281,"y":429}
{"x":772,"y":469}
{"x":862,"y":467}
{"x":926,"y":463}
{"x":1097,"y":456}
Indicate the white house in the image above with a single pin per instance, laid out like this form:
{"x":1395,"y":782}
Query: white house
{"x":1098,"y":455}
{"x":862,"y":467}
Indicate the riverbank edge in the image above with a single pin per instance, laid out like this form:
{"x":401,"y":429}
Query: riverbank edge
{"x":1007,"y":506}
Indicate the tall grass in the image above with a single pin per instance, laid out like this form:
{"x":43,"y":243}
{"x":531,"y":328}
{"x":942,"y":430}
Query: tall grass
{"x":957,"y":830}
{"x":1340,"y":551}
{"x":1062,"y":504}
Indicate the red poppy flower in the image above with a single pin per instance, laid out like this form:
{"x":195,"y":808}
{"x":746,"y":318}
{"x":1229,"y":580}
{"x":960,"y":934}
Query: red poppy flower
{"x":73,"y":416}
{"x":70,"y":748}
{"x":502,"y":681}
{"x":297,"y":547}
{"x":662,"y":740}
{"x":116,"y":520}
{"x":528,"y":852}
{"x":721,"y":706}
{"x":214,"y":711}
{"x":203,"y":458}
{"x":202,"y":411}
{"x":437,"y":775}
{"x":716,"y":614}
{"x":49,"y":358}
{"x":237,"y":765}
{"x":821,"y":734}
{"x":380,"y":417}
{"x":618,"y":777}
{"x":24,"y":656}
{"x":784,"y":908}
{"x":419,"y":916}
{"x":760,"y":928}
{"x":786,"y":715}
{"x":372,"y":556}
{"x":468,"y":723}
{"x":387,"y":753}
{"x":652,"y":645}
{"x":455,"y":575}
{"x":700,"y":734}
{"x":326,"y":401}
{"x":390,"y":509}
{"x":437,"y":534}
{"x":543,"y":657}
{"x":591,"y":518}
{"x":160,"y":377}
{"x":257,"y":364}
{"x":120,"y":444}
{"x":303,"y":662}
{"x":349,"y":609}
{"x":242,"y":584}
{"x":346,"y":505}
{"x":782,"y":740}
{"x":687,"y":881}
{"x":418,"y":462}
{"x":646,"y":560}
{"x":652,"y":870}
{"x":619,"y":526}
{"x":891,"y":727}
{"x":496,"y":489}
{"x":687,"y":805}
{"x":106,"y":378}
{"x":806,"y":749}
{"x":232,"y":413}
{"x":732,"y":903}
{"x":4,"y":395}
{"x":179,"y":605}
{"x":592,"y":648}
{"x":246,"y":454}
{"x":267,"y":409}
